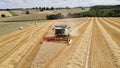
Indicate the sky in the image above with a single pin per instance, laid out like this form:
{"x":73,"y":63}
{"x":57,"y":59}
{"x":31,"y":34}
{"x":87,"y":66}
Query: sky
{"x":54,"y":3}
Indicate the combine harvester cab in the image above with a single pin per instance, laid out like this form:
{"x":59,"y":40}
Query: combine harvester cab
{"x":61,"y":33}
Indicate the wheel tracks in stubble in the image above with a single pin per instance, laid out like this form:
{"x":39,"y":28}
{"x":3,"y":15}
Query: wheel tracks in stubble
{"x":37,"y":44}
{"x":9,"y":46}
{"x":115,"y":49}
{"x":6,"y":38}
{"x":10,"y":42}
{"x":100,"y":54}
{"x":115,"y":20}
{"x":80,"y":57}
{"x":53,"y":60}
{"x":15,"y":44}
{"x":4,"y":44}
{"x":23,"y":47}
{"x":112,"y":22}
{"x":110,"y":25}
{"x":113,"y":32}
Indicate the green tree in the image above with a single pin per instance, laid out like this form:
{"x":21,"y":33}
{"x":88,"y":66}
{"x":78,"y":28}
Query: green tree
{"x":47,"y":8}
{"x":39,"y":7}
{"x":8,"y":9}
{"x":27,"y":12}
{"x":55,"y":16}
{"x":52,"y":8}
{"x":3,"y":15}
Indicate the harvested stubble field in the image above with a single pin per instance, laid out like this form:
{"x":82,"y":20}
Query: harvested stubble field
{"x":36,"y":14}
{"x":62,"y":11}
{"x":96,"y":44}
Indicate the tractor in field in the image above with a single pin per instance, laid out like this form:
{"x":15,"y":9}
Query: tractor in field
{"x":61,"y":33}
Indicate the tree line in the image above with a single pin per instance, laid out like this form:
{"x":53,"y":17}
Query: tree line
{"x":95,"y":11}
{"x":55,"y":16}
{"x":50,"y":8}
{"x":100,"y":11}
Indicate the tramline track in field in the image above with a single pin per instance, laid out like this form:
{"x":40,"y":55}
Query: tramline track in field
{"x":99,"y":48}
{"x":25,"y":48}
{"x":4,"y":38}
{"x":112,"y":30}
{"x":25,"y":64}
{"x":115,"y":19}
{"x":110,"y":25}
{"x":112,"y":44}
{"x":95,"y":44}
{"x":13,"y":39}
{"x":13,"y":47}
{"x":112,"y":22}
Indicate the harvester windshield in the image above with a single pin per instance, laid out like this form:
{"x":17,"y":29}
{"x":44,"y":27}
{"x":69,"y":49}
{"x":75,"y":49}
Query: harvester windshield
{"x":59,"y":31}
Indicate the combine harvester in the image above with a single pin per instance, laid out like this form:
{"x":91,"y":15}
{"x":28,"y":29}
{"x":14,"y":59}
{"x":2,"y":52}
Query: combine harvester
{"x":61,"y":33}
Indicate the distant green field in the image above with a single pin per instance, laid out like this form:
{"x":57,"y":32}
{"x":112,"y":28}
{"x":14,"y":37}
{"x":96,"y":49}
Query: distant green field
{"x":7,"y":27}
{"x":12,"y":13}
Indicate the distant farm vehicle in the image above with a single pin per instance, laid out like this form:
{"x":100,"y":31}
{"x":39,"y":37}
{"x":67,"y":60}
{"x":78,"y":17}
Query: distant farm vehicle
{"x":61,"y":33}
